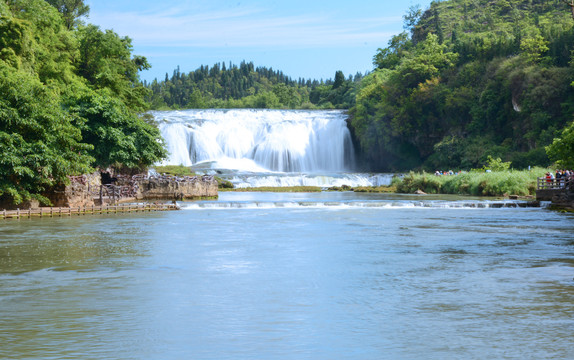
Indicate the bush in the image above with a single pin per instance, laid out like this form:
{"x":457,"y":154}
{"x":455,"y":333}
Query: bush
{"x":496,"y":183}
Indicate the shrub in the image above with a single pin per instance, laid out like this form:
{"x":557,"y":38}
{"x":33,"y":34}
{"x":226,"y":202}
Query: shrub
{"x":496,"y":183}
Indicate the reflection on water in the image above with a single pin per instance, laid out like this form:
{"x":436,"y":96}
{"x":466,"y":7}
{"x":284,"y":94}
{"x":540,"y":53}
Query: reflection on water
{"x":317,"y":282}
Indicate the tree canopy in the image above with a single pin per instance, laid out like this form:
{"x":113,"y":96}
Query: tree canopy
{"x":71,"y":10}
{"x":247,"y":86}
{"x":470,"y":79}
{"x":70,"y":99}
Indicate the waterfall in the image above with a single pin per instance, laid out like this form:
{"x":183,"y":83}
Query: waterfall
{"x":285,"y":141}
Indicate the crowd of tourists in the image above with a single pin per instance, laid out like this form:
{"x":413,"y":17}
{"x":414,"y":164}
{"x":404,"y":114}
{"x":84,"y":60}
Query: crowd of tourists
{"x":562,"y":178}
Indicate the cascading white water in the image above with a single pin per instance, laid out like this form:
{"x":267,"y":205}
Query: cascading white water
{"x":259,"y":140}
{"x":265,"y":147}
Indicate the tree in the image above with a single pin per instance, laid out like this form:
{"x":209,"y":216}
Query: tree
{"x":39,"y":145}
{"x":71,"y":11}
{"x":120,"y":138}
{"x":412,"y":17}
{"x":391,"y":56}
{"x":427,"y":61}
{"x":533,"y":48}
{"x":562,"y":149}
{"x":339,"y":79}
{"x":106,"y":62}
{"x":571,"y":4}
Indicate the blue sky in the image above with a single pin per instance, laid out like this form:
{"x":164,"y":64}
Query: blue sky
{"x":309,"y":39}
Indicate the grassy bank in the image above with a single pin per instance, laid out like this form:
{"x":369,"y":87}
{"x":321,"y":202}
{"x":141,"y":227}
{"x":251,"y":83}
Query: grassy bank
{"x":499,"y":183}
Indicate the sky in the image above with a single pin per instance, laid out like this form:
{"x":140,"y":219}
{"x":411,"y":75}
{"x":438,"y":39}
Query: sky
{"x":302,"y":38}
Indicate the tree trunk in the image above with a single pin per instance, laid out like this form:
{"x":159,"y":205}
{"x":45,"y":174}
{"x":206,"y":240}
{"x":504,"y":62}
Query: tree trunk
{"x":571,"y":4}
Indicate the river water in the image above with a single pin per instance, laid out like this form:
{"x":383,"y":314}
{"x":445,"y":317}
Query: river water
{"x":292,"y":276}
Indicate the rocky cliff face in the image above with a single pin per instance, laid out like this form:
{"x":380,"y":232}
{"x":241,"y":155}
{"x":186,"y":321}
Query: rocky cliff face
{"x":85,"y":190}
{"x":170,"y":188}
{"x":80,"y":191}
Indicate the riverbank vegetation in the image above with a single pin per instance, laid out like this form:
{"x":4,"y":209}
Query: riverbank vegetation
{"x":476,"y":183}
{"x":174,"y":170}
{"x":247,"y":86}
{"x":70,"y":99}
{"x":469,"y":79}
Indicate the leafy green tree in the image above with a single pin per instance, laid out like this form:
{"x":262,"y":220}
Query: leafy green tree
{"x":411,"y":18}
{"x":69,"y":99}
{"x":39,"y":145}
{"x":533,"y":48}
{"x":71,"y":10}
{"x":429,"y":59}
{"x":391,"y":56}
{"x":196,"y":100}
{"x":106,"y":62}
{"x":120,"y":138}
{"x":36,"y":41}
{"x":266,"y":100}
{"x":339,"y":79}
{"x":497,"y":164}
{"x":561,"y":150}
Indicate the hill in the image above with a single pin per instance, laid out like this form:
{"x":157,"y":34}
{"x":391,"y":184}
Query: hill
{"x":470,"y":78}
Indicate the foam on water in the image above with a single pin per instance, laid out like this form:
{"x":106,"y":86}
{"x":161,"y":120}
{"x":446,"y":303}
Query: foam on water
{"x":373,"y":204}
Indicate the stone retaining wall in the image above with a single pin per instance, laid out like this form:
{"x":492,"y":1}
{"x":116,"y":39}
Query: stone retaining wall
{"x":84,"y":191}
{"x":172,"y":189}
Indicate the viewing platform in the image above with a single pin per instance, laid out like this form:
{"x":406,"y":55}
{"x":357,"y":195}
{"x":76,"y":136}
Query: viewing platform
{"x":558,"y":191}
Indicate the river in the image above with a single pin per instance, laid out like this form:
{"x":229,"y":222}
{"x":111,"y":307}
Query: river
{"x":291,"y":276}
{"x":329,"y":275}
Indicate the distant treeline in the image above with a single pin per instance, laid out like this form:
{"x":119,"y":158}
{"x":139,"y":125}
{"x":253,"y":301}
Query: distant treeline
{"x":468,"y":80}
{"x":247,"y":86}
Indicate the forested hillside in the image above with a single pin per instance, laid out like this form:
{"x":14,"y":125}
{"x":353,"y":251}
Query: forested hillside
{"x":469,"y":79}
{"x":69,"y":99}
{"x":246,"y":86}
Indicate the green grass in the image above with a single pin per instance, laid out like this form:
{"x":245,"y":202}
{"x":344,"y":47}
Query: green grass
{"x":175,"y":170}
{"x":376,"y":189}
{"x":500,"y":183}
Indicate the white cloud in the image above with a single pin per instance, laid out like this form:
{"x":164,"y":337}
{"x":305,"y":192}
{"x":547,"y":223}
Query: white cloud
{"x":180,"y":27}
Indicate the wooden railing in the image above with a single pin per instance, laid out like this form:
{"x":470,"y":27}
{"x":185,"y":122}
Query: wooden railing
{"x":554,"y":184}
{"x":85,"y":210}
